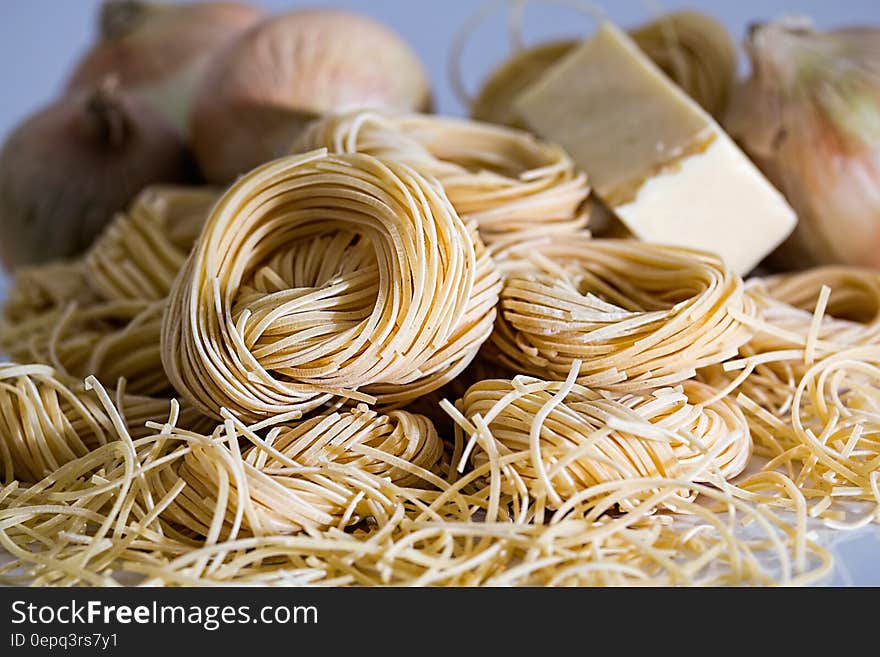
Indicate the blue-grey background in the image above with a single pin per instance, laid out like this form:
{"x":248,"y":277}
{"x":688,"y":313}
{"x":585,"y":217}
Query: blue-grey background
{"x":40,"y":41}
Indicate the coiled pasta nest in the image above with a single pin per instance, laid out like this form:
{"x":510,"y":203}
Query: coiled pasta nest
{"x":329,"y":470}
{"x":325,"y":278}
{"x":557,"y":439}
{"x":635,"y":316}
{"x":513,"y":185}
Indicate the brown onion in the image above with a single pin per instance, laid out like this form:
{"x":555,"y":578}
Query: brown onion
{"x":160,"y":50}
{"x":259,"y":93}
{"x":809,"y":116}
{"x":67,"y":169}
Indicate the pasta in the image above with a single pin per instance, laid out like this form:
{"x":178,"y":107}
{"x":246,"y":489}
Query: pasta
{"x":110,"y":340}
{"x":635,"y":316}
{"x":47,"y":420}
{"x":322,"y":278}
{"x":431,"y":536}
{"x":305,"y":476}
{"x":610,"y":412}
{"x":511,"y":184}
{"x":563,"y":438}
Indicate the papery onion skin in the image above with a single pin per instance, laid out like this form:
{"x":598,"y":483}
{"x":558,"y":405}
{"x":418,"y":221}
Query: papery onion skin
{"x":159,"y":50}
{"x":809,"y":116}
{"x":66,"y":170}
{"x":258,"y":94}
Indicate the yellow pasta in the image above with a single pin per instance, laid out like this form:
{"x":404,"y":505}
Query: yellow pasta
{"x":636,"y":316}
{"x":511,"y":184}
{"x":599,"y":402}
{"x":322,"y":278}
{"x":47,"y":420}
{"x":563,"y":438}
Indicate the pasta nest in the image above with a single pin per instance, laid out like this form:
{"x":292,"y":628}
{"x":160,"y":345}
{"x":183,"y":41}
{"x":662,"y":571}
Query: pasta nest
{"x":636,"y":316}
{"x":330,"y":470}
{"x":101,"y":314}
{"x":802,"y":318}
{"x":324,"y":278}
{"x":47,"y":420}
{"x":554,"y":440}
{"x":111,"y":340}
{"x":140,"y":252}
{"x":513,"y":185}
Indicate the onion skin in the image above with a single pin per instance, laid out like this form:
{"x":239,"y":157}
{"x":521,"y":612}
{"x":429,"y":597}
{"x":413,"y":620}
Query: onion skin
{"x":809,"y":116}
{"x":67,"y":169}
{"x":160,"y":51}
{"x":259,"y":93}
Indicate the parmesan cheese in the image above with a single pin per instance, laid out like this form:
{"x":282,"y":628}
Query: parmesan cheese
{"x":664,"y":166}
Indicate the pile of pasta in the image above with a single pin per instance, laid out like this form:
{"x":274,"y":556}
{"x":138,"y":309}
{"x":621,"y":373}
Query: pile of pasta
{"x":397,"y":357}
{"x":101,"y":314}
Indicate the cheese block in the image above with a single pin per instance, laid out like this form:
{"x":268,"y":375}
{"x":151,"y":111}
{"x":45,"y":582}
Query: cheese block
{"x":654,"y":156}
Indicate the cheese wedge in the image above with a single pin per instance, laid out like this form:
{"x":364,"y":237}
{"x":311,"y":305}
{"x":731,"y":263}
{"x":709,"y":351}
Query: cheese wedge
{"x":654,"y":156}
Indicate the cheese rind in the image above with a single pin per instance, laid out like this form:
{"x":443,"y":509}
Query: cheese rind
{"x":669,"y":172}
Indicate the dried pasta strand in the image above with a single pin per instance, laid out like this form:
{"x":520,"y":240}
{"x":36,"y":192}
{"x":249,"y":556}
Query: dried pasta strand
{"x":636,"y":316}
{"x":321,"y":278}
{"x":428,"y":536}
{"x":511,"y":184}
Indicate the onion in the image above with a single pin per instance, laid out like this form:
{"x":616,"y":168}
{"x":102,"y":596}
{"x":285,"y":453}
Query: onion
{"x":258,"y":94}
{"x":67,"y":169}
{"x":809,"y":116}
{"x":160,"y":51}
